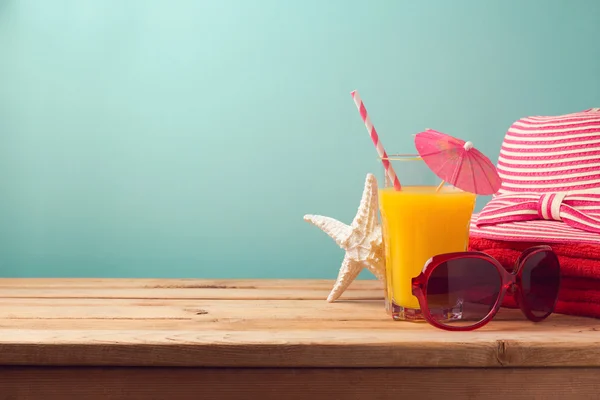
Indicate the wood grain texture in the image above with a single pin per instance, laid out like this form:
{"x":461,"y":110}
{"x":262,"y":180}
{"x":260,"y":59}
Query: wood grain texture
{"x":254,"y":323}
{"x":35,"y":383}
{"x":148,"y":283}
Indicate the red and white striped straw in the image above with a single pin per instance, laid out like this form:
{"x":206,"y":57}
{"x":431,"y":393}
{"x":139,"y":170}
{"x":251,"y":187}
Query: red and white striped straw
{"x":375,"y":138}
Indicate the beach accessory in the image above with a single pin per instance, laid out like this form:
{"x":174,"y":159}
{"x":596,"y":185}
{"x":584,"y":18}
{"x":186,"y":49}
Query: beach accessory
{"x":361,"y":240}
{"x":550,"y":192}
{"x":375,"y":138}
{"x":463,"y":291}
{"x":457,"y":162}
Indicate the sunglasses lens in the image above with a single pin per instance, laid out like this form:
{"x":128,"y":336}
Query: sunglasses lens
{"x":540,"y":279}
{"x":463,"y":291}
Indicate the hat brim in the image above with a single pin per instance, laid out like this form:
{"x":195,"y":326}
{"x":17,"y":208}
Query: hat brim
{"x":533,"y":231}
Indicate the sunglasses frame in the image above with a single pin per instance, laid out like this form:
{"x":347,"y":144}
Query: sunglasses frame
{"x":509,"y":281}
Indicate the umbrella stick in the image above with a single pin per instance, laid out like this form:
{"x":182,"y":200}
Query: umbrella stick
{"x":440,"y":186}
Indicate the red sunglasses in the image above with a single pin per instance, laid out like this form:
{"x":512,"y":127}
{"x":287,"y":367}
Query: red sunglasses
{"x":463,"y":291}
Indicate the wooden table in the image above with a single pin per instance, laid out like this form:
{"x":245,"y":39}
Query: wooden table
{"x":270,"y":339}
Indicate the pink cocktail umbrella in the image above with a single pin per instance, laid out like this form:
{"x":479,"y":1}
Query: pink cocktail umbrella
{"x":457,"y":162}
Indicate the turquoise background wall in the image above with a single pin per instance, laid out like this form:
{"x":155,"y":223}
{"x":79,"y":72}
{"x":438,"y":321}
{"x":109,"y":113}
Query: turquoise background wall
{"x":188,"y":138}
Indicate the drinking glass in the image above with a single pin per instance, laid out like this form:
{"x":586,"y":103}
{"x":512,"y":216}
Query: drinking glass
{"x":421,"y":220}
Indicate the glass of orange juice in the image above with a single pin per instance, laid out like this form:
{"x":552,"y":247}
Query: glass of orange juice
{"x":418,"y":222}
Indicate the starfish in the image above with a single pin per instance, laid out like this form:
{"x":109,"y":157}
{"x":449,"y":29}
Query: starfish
{"x":362,"y":240}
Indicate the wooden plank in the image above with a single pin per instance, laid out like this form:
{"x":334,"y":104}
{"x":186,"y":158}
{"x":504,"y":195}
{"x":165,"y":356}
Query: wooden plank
{"x":223,"y":310}
{"x":230,"y":310}
{"x":145,"y":283}
{"x":128,"y":314}
{"x":199,"y":294}
{"x":300,"y":348}
{"x":173,"y":322}
{"x":185,"y":324}
{"x":228,"y":384}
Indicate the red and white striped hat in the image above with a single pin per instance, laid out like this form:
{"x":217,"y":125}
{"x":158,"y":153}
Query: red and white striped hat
{"x":550,"y":170}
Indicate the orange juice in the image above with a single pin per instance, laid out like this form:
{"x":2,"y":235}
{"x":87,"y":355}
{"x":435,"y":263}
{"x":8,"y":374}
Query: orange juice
{"x":418,"y":223}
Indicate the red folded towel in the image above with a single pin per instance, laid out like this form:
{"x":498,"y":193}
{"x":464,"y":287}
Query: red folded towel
{"x":580,"y":272}
{"x":575,"y":308}
{"x":579,"y":260}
